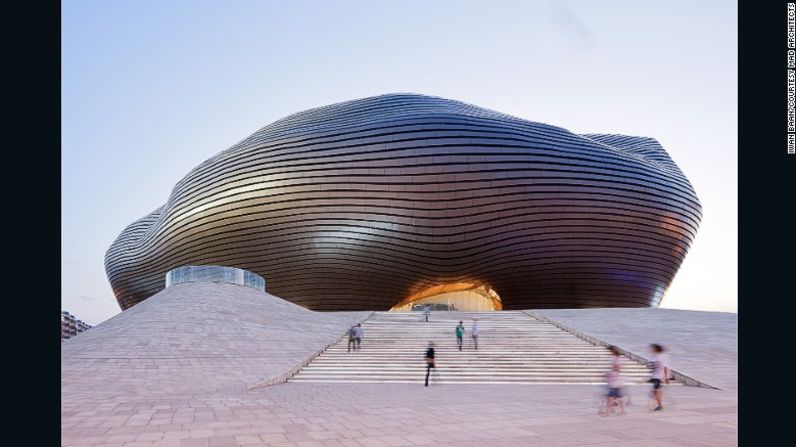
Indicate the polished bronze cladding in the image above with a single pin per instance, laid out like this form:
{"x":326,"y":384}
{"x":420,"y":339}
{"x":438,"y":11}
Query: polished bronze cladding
{"x":361,"y":205}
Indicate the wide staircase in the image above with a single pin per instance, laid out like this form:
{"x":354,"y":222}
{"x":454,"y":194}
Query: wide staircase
{"x":513,"y":347}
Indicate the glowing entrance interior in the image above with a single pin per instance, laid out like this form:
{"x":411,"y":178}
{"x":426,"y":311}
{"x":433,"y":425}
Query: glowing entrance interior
{"x":465,"y":297}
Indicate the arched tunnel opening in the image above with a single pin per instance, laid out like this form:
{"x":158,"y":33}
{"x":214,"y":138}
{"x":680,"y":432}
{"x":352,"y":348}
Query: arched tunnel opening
{"x":463,"y":297}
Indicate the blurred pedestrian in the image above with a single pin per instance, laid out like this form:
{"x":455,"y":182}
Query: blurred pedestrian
{"x":474,"y":333}
{"x":615,"y":395}
{"x":616,"y":363}
{"x":358,"y":334}
{"x":431,"y":362}
{"x":616,"y":358}
{"x":426,"y":311}
{"x":659,"y":363}
{"x":459,"y":334}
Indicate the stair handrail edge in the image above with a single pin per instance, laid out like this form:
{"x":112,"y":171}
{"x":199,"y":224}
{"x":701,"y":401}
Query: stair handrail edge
{"x":282,"y":378}
{"x":686,"y":379}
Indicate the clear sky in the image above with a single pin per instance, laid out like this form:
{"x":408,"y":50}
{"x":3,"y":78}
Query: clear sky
{"x":152,"y":88}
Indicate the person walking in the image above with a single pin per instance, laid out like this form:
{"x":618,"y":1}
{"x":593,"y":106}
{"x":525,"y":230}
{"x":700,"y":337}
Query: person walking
{"x":659,"y":363}
{"x":459,"y":334}
{"x":474,"y":333}
{"x":358,"y":334}
{"x":616,"y":357}
{"x":426,"y":311}
{"x":430,"y":361}
{"x":615,"y":395}
{"x":352,"y":338}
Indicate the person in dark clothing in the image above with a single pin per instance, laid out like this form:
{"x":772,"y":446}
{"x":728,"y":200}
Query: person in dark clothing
{"x":430,"y":362}
{"x":352,"y":338}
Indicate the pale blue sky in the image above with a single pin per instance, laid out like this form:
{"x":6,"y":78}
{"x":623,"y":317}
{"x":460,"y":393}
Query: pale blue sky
{"x":152,"y":88}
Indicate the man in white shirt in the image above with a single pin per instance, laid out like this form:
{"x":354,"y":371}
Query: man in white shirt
{"x":660,"y":373}
{"x":474,"y":333}
{"x":358,"y":334}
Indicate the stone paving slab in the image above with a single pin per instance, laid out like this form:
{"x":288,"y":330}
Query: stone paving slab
{"x":299,"y":414}
{"x":196,"y":338}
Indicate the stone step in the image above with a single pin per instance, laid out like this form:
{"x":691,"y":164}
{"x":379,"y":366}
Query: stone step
{"x":526,"y":339}
{"x":361,"y":358}
{"x":377,"y":376}
{"x":513,"y":348}
{"x":469,"y":347}
{"x":469,"y":370}
{"x":420,"y":378}
{"x":470,"y":366}
{"x":470,"y":353}
{"x":522,"y":339}
{"x":458,"y":382}
{"x":448,"y":378}
{"x":480,"y":360}
{"x":474,"y":365}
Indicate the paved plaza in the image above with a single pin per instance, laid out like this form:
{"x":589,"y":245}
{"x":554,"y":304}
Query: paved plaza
{"x":404,"y":415}
{"x":186,"y":368}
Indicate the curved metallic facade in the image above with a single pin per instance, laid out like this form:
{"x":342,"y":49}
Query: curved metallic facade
{"x":361,"y":204}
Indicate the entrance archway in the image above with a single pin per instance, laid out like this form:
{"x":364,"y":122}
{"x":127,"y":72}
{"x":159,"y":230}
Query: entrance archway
{"x":464,"y":297}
